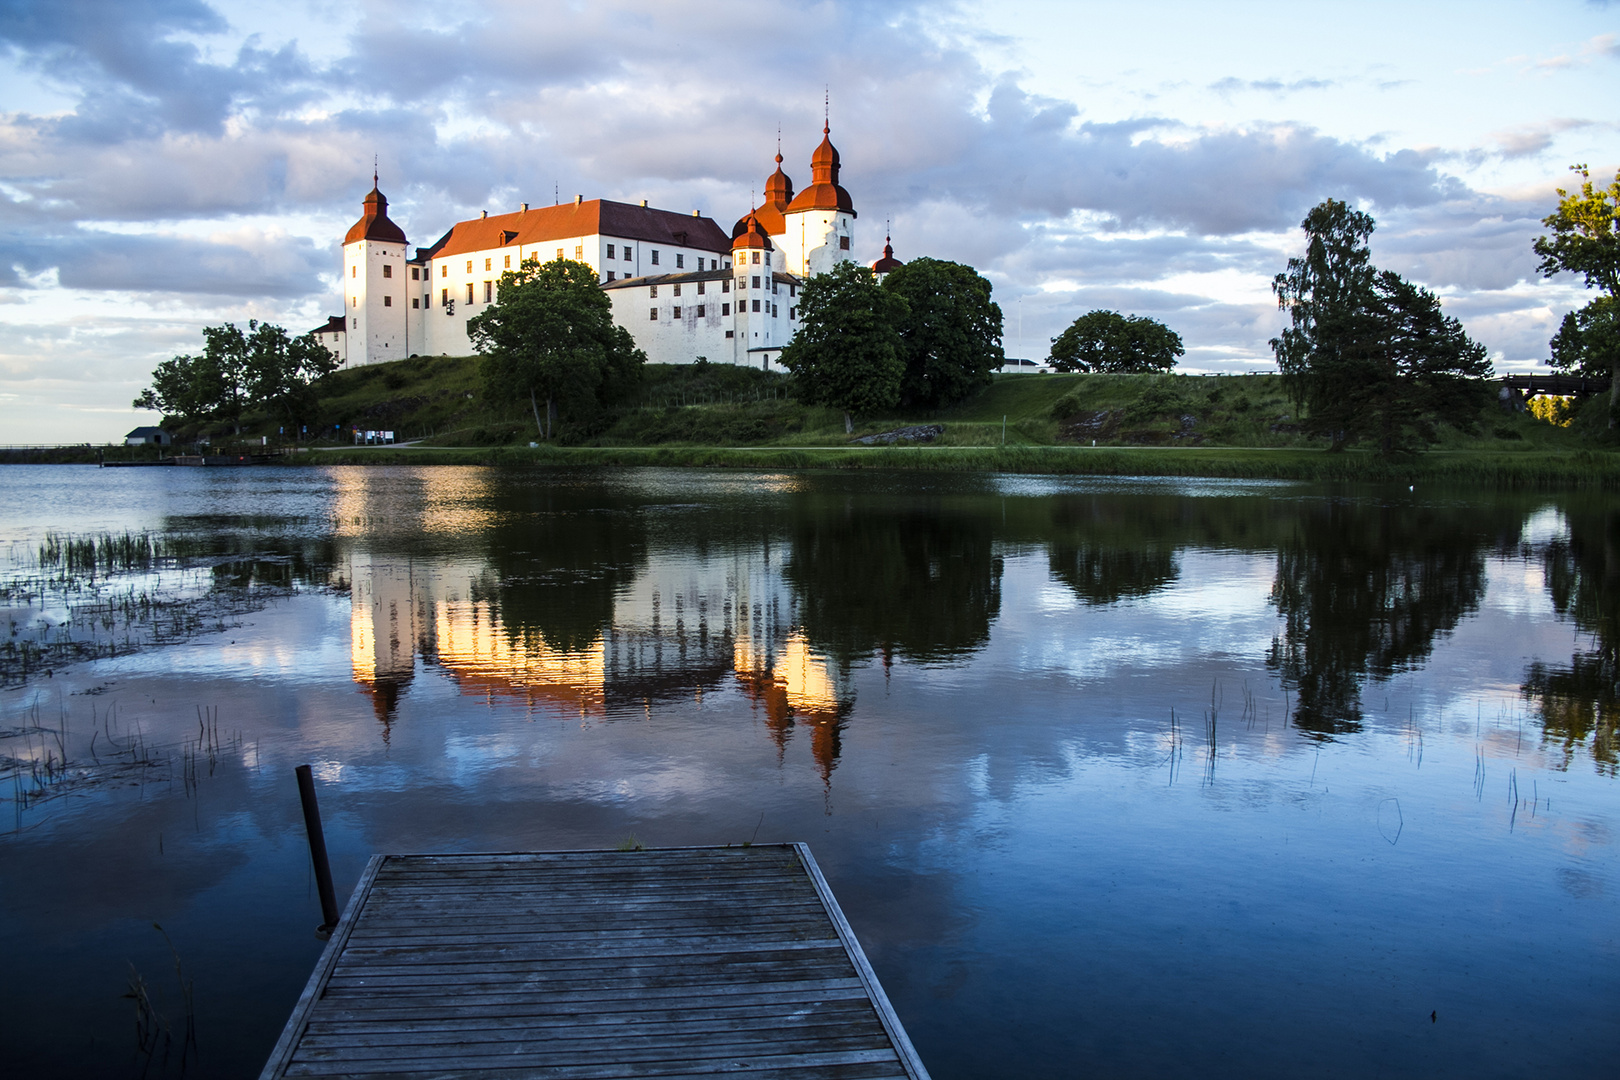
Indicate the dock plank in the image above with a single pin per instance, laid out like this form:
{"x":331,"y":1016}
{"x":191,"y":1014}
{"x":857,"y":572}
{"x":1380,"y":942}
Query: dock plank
{"x":603,"y":965}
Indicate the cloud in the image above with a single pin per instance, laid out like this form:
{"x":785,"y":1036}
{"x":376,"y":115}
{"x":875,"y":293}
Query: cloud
{"x":246,"y":264}
{"x":1228,"y":86}
{"x":1531,"y":139}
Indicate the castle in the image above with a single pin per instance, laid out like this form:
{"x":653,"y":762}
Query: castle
{"x":677,"y":282}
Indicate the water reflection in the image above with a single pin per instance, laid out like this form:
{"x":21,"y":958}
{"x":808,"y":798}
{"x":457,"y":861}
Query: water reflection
{"x":918,"y":580}
{"x":1364,"y":590}
{"x":1578,"y":703}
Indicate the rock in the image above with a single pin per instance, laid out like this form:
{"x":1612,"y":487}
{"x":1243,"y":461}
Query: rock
{"x":922,"y":433}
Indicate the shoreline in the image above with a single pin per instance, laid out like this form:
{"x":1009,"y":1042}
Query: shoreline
{"x":1589,"y":469}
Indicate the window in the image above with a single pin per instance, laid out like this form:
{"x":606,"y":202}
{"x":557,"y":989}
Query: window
{"x":469,"y":292}
{"x":354,"y":301}
{"x":700,"y":288}
{"x":469,"y":266}
{"x":843,"y":243}
{"x":416,"y":273}
{"x":793,"y":313}
{"x":676,"y":313}
{"x":773,"y":311}
{"x":677,"y":289}
{"x":725,"y":309}
{"x":742,"y":283}
{"x":730,"y":333}
{"x":610,"y":252}
{"x":767,"y":258}
{"x":756,"y":305}
{"x":655,"y":256}
{"x":652,"y":290}
{"x":354,"y":271}
{"x":610,"y":275}
{"x":700,"y":312}
{"x":725,"y":286}
{"x":793,"y":290}
{"x":714,"y":264}
{"x":388,"y":271}
{"x":416,"y":301}
{"x":487,"y":266}
{"x":444,"y":269}
{"x":756,"y":258}
{"x":653,"y":314}
{"x":627,"y":253}
{"x":579,"y":251}
{"x":354,"y":324}
{"x":559,"y":253}
{"x":444,"y":297}
{"x":508,"y":262}
{"x":680,"y":261}
{"x":388,"y":301}
{"x":756,"y":281}
{"x":489,"y":291}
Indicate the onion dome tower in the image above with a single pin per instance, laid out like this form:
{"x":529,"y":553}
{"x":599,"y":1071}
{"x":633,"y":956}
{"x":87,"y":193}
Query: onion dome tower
{"x":751,"y":259}
{"x":376,"y":298}
{"x":820,"y":221}
{"x":778,"y":194}
{"x":888,"y":262}
{"x":374,"y":223}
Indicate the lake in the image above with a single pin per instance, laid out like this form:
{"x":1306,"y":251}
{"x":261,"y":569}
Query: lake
{"x":1125,"y":777}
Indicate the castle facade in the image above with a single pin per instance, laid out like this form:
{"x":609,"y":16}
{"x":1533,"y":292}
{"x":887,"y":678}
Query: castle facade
{"x":678,"y":282}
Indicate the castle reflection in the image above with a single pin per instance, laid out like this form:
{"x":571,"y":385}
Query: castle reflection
{"x":694,"y":627}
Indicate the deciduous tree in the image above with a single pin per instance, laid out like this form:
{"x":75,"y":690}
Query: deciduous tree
{"x":550,"y":336}
{"x":1367,"y":354}
{"x":1111,"y":342}
{"x":847,"y":352}
{"x":950,"y":335}
{"x":1585,"y":240}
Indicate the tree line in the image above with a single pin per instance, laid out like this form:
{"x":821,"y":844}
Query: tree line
{"x":261,"y":368}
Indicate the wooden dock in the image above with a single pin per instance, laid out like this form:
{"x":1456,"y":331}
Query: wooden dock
{"x":682,"y":962}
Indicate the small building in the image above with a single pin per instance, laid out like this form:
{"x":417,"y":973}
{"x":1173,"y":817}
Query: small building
{"x":334,"y":338}
{"x":149,"y":436}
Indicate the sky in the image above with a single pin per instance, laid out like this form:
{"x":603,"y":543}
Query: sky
{"x":167,"y":165}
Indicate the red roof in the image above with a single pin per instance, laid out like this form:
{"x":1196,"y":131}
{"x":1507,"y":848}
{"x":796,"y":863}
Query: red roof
{"x":374,"y":223}
{"x":587,"y":218}
{"x":751,"y":233}
{"x":888,"y":262}
{"x":824,"y":192}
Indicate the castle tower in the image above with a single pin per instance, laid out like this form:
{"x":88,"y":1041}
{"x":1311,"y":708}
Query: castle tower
{"x":819,"y":224}
{"x":888,"y":263}
{"x":752,"y":256}
{"x":376,"y":298}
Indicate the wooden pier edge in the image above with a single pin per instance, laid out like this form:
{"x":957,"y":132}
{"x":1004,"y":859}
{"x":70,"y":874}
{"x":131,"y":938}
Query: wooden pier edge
{"x":874,"y":989}
{"x":281,"y":1056}
{"x":303,"y":1012}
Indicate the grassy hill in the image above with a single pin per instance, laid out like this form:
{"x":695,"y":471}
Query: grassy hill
{"x":441,"y":401}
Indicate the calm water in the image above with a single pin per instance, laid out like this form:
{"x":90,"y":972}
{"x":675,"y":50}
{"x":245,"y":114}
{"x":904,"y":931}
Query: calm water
{"x":1126,"y":778}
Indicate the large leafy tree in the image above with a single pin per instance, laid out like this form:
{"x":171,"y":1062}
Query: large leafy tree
{"x":281,"y":371}
{"x":847,"y":352}
{"x":550,"y":337}
{"x":1367,"y":355}
{"x":950,"y":335}
{"x":236,"y":371}
{"x":1109,"y":341}
{"x":1585,"y":240}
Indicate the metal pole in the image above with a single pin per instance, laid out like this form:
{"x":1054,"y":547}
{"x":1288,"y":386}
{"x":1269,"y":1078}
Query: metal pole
{"x":317,"y":850}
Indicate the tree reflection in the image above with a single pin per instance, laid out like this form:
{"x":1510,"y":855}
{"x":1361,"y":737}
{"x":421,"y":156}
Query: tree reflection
{"x":1579,"y":703}
{"x":1364,"y":591}
{"x":919,"y":581}
{"x":1107,"y":552}
{"x":558,"y":566}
